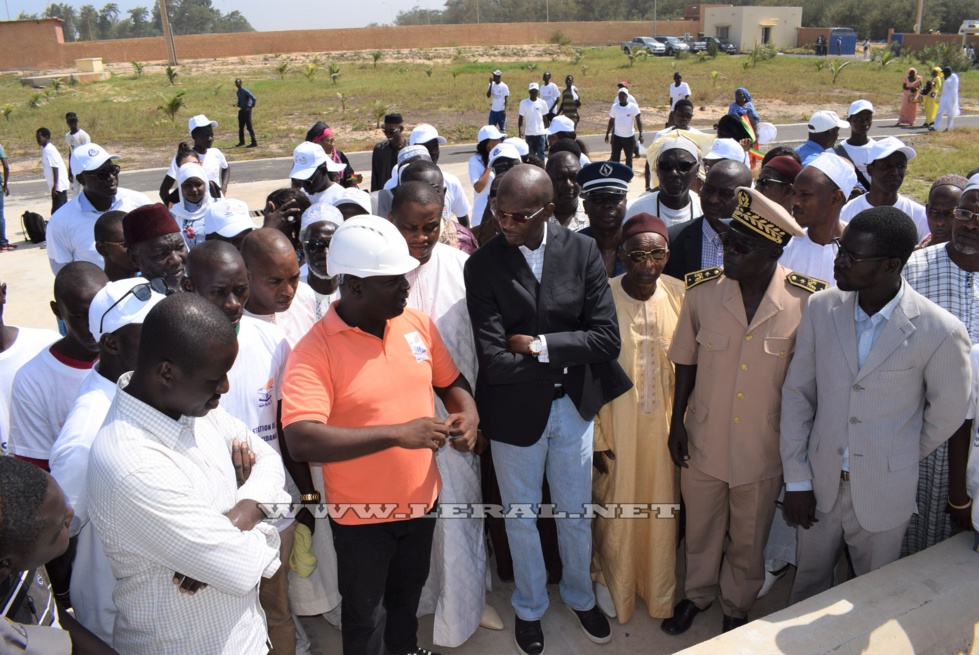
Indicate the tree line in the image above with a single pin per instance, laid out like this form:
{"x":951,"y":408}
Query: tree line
{"x":186,"y":17}
{"x":870,"y":18}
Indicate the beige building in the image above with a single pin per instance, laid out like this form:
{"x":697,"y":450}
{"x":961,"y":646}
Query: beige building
{"x":747,"y":27}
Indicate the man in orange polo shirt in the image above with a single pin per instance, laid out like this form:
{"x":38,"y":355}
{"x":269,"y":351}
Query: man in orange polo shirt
{"x":358,"y":397}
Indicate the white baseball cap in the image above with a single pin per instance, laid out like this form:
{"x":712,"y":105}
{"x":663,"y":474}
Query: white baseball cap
{"x":353,"y":196}
{"x":489,"y":132}
{"x":227,"y":217}
{"x":114,"y":306}
{"x":368,"y":246}
{"x":836,"y":168}
{"x":306,"y":158}
{"x":505,"y":150}
{"x":321,"y":211}
{"x":726,"y":149}
{"x":497,"y":72}
{"x":423,"y":134}
{"x":89,"y":157}
{"x":860,"y":105}
{"x":534,"y":86}
{"x":200,"y":120}
{"x":520,"y":145}
{"x":888,"y":145}
{"x":823,"y":121}
{"x":560,"y":124}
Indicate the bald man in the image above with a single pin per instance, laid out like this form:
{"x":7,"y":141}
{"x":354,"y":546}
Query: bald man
{"x":547,"y":348}
{"x":275,"y":294}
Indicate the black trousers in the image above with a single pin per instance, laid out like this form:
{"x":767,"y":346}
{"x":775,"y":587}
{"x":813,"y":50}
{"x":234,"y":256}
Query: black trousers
{"x":58,"y":200}
{"x":622,"y":144}
{"x":245,"y":120}
{"x":382,"y":564}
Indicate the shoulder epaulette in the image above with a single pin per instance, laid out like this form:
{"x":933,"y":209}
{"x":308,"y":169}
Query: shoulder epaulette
{"x":810,"y":284}
{"x":699,"y":277}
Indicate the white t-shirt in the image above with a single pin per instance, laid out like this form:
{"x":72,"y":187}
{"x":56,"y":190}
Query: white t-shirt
{"x":905,"y":204}
{"x":92,"y":581}
{"x":972,"y":471}
{"x":549,"y":93}
{"x":328,"y":195}
{"x":647,"y":204}
{"x":43,"y":393}
{"x":476,"y":168}
{"x":455,"y":196}
{"x":860,"y":156}
{"x":71,"y":230}
{"x":213,"y":162}
{"x":533,"y":116}
{"x":624,"y":119}
{"x":298,"y":319}
{"x":50,"y":160}
{"x":678,"y":93}
{"x":79,"y":138}
{"x":498,"y":94}
{"x":804,"y":256}
{"x":29,"y":342}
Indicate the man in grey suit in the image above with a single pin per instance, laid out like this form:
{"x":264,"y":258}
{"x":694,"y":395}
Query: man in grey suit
{"x":879,"y":379}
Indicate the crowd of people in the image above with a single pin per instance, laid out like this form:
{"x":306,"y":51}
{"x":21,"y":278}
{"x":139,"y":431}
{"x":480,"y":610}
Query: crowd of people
{"x":765,"y":360}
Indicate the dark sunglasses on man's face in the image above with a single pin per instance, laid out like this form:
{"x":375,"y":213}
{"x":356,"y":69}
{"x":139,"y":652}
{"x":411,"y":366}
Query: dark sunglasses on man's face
{"x":390,"y":131}
{"x":742,"y":246}
{"x":669,"y":166}
{"x":106,"y":173}
{"x":316,"y":245}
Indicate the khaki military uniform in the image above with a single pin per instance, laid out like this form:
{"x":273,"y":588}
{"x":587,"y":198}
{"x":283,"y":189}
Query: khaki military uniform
{"x":732,"y":422}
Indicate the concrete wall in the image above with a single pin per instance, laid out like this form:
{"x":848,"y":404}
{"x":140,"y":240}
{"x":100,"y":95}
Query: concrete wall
{"x":745,"y":24}
{"x":806,"y":35}
{"x":47,"y":51}
{"x":917,"y":42}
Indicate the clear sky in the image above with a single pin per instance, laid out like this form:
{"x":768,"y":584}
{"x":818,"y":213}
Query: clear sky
{"x":269,"y":15}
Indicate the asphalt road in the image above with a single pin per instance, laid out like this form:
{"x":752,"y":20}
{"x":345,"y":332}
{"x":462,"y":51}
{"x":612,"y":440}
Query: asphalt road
{"x":260,"y":170}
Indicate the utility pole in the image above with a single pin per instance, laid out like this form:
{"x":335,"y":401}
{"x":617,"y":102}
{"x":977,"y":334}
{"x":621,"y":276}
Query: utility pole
{"x":167,"y":34}
{"x":547,"y":11}
{"x":921,"y":11}
{"x":654,"y":16}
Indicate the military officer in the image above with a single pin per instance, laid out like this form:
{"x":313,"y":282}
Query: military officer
{"x":731,"y":348}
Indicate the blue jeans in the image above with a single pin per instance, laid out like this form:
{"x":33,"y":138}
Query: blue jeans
{"x":497,"y":118}
{"x":3,"y":223}
{"x":564,"y":451}
{"x":537,"y":143}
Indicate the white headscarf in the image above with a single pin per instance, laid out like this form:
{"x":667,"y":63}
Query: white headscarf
{"x":189,"y":216}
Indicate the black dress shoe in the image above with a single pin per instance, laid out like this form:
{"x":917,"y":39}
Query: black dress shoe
{"x":595,"y":625}
{"x":683,"y":616}
{"x":252,"y":145}
{"x":731,"y":623}
{"x":529,"y":637}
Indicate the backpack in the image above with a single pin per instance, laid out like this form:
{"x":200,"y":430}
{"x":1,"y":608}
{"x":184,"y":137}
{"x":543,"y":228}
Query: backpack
{"x":35,"y":227}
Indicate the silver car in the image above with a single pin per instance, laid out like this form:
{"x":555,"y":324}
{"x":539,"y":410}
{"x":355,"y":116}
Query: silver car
{"x":673,"y":44}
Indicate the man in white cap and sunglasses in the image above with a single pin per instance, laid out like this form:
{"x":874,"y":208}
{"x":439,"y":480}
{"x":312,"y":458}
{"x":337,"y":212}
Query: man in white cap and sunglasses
{"x":314,"y":171}
{"x":371,"y":357}
{"x":115,"y":318}
{"x":676,"y":168}
{"x":71,"y":230}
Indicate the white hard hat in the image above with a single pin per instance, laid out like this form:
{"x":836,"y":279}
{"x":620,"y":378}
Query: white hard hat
{"x":368,"y":246}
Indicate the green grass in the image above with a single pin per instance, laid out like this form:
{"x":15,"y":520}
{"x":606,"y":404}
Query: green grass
{"x":122,"y":113}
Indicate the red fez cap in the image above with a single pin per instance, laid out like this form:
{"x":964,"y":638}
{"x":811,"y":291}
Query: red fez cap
{"x":644,"y":222}
{"x":787,"y":166}
{"x":147,"y":222}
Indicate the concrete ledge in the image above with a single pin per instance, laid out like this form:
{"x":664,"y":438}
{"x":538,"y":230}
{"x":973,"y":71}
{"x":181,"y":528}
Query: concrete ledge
{"x":926,"y":604}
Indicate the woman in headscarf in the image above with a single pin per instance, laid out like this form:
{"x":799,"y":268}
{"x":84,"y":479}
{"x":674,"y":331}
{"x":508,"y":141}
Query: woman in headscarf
{"x":193,"y":201}
{"x":742,"y":106}
{"x":909,"y":105}
{"x":933,"y":94}
{"x":322,"y":134}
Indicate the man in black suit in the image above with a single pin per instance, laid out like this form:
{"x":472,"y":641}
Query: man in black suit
{"x":695,"y":245}
{"x":547,"y":340}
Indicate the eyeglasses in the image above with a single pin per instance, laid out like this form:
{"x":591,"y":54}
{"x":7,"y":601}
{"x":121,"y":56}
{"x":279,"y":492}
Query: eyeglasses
{"x":848,"y":256}
{"x":106,"y":173}
{"x":390,"y":131}
{"x":669,"y":166}
{"x":740,"y":245}
{"x":117,"y":244}
{"x":516,"y":218}
{"x":639,"y":256}
{"x":143,"y":292}
{"x":965,"y":215}
{"x":316,"y":245}
{"x":765,"y":181}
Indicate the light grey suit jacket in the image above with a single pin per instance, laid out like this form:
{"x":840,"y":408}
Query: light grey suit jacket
{"x":908,"y":398}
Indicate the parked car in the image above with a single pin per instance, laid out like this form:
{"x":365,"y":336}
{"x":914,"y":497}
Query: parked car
{"x":722,"y":45}
{"x":673,"y":44}
{"x":647,"y":43}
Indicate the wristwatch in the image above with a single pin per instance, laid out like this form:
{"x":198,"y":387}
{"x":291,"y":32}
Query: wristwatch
{"x":536,"y":347}
{"x":310,"y":498}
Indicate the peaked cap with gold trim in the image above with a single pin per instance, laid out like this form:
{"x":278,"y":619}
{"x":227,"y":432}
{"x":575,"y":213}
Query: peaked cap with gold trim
{"x":765,"y":218}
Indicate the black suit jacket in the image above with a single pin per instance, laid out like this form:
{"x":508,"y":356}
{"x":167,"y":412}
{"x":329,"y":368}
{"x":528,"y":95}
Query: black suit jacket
{"x":575,"y":313}
{"x":686,"y":248}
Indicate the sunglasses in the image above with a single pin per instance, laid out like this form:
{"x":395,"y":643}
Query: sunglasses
{"x":670,"y":166}
{"x":106,"y":173}
{"x":639,"y":256}
{"x":516,"y":218}
{"x":766,"y":181}
{"x":391,"y":131}
{"x":316,"y":245}
{"x":740,"y":245}
{"x":848,"y":256}
{"x":143,"y":292}
{"x":965,"y":215}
